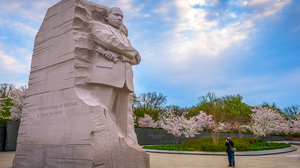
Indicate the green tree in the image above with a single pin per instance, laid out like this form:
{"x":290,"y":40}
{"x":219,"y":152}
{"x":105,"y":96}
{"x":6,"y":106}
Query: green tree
{"x":135,"y":101}
{"x":238,"y":112}
{"x":292,"y":112}
{"x":141,"y":111}
{"x":5,"y":106}
{"x":217,"y":110}
{"x":211,"y":105}
{"x":177,"y":110}
{"x":202,"y":104}
{"x":272,"y":106}
{"x":152,"y":100}
{"x":150,"y":103}
{"x":6,"y":89}
{"x":11,"y":101}
{"x":5,"y":100}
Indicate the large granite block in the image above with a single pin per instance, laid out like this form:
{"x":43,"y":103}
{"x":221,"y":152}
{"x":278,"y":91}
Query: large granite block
{"x":69,"y":120}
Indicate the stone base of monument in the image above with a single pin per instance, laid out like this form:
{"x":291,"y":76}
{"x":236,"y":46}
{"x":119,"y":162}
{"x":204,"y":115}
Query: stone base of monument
{"x":62,"y":125}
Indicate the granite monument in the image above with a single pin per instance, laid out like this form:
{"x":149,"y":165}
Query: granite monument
{"x":78,"y":108}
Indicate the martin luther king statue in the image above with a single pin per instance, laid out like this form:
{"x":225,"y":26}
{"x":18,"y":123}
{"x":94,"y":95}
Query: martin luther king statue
{"x":78,"y":108}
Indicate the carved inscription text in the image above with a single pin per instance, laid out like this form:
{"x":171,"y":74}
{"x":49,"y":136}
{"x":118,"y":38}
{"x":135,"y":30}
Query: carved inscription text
{"x":57,"y":109}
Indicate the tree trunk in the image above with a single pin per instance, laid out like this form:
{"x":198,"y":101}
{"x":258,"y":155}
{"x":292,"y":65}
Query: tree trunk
{"x":231,"y":133}
{"x":270,"y":138}
{"x":216,"y":136}
{"x":240,"y":133}
{"x":176,"y":141}
{"x":264,"y":143}
{"x":255,"y":137}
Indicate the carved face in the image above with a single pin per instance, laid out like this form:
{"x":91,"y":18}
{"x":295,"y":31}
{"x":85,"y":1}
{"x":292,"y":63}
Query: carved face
{"x":115,"y":18}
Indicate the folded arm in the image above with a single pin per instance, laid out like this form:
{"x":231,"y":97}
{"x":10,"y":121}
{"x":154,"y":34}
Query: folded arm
{"x":136,"y":60}
{"x":115,"y":57}
{"x":105,"y":38}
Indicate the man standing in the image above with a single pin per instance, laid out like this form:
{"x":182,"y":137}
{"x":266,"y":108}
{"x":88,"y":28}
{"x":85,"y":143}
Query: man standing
{"x":112,"y":76}
{"x":229,"y":152}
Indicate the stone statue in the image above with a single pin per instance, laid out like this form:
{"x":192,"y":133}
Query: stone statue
{"x":112,"y":71}
{"x":78,"y":110}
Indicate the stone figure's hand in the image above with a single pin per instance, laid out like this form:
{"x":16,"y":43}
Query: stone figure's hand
{"x":138,"y":57}
{"x":121,"y":58}
{"x":108,"y":55}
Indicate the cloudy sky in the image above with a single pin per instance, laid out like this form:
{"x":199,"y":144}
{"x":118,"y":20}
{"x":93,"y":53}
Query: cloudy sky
{"x":188,"y":47}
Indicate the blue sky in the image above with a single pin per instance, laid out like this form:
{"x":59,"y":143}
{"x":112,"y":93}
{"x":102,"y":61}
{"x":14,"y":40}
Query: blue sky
{"x":188,"y":47}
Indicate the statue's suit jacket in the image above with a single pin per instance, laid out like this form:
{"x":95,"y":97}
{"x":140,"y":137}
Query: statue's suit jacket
{"x":107,"y":72}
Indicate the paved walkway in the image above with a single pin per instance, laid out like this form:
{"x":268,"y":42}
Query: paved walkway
{"x":285,"y":160}
{"x":6,"y":159}
{"x":248,"y":153}
{"x":162,"y":160}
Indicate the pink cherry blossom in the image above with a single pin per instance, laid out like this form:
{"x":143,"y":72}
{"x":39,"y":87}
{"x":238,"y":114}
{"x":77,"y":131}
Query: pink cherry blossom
{"x":173,"y":124}
{"x":295,"y":126}
{"x":147,"y":121}
{"x":204,"y":121}
{"x":190,"y":128}
{"x":266,"y":121}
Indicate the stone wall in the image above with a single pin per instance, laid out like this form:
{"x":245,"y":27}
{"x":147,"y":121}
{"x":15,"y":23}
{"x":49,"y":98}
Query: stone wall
{"x":11,"y":134}
{"x":159,"y":136}
{"x":148,"y":136}
{"x":8,"y":135}
{"x":2,"y":137}
{"x":290,"y":138}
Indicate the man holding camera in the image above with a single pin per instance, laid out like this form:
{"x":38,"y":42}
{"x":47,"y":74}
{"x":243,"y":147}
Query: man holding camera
{"x":230,"y":152}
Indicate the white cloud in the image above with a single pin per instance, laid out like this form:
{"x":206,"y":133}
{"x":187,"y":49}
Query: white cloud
{"x":162,"y":10}
{"x":20,"y":27}
{"x":255,"y":2}
{"x":241,"y":3}
{"x":232,"y":15}
{"x":272,"y":8}
{"x":193,"y":3}
{"x":127,"y":6}
{"x":11,"y":64}
{"x":124,"y":1}
{"x":196,"y":54}
{"x":263,"y":8}
{"x":14,"y":59}
{"x":195,"y":36}
{"x":33,"y":10}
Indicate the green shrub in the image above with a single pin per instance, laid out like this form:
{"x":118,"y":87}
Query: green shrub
{"x":259,"y":146}
{"x":210,"y":147}
{"x":169,"y":147}
{"x":242,"y":146}
{"x":206,"y":144}
{"x":251,"y":140}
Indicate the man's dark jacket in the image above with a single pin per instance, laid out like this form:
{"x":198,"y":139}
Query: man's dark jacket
{"x":228,"y":150}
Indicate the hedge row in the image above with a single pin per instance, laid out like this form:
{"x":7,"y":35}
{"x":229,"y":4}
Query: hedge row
{"x":206,"y":144}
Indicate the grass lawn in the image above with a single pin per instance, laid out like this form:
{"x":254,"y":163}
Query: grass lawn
{"x":206,"y":144}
